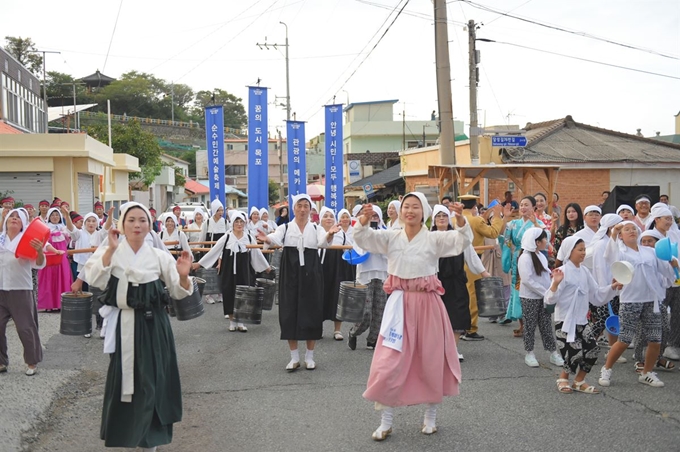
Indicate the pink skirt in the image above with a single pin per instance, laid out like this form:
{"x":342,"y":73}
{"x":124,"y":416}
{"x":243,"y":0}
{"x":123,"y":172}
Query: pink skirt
{"x":427,"y":368}
{"x":53,"y":281}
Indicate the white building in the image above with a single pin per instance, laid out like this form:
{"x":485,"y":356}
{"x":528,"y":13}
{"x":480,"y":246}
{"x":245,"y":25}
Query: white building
{"x":164,"y":191}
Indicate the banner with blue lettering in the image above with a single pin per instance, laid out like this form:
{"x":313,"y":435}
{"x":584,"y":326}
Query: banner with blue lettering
{"x":297,"y":168}
{"x":258,"y":148}
{"x":214,"y":137}
{"x":335,"y":190}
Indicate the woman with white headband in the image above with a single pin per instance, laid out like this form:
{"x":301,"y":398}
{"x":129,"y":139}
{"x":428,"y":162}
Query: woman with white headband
{"x":172,"y":233}
{"x":300,"y":280}
{"x":640,"y":299}
{"x":534,"y":280}
{"x":393,"y":213}
{"x":142,"y":395}
{"x":16,"y":291}
{"x":253,"y":220}
{"x":416,"y":359}
{"x":238,"y":265}
{"x":572,"y":289}
{"x":214,"y":229}
{"x":643,"y":205}
{"x":591,"y":220}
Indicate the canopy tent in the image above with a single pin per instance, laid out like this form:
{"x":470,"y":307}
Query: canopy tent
{"x":54,"y":113}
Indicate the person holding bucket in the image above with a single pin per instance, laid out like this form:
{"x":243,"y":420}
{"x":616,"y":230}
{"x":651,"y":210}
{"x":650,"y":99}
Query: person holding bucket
{"x":416,"y":359}
{"x":640,"y":299}
{"x":237,"y":266}
{"x":142,"y":395}
{"x":55,"y":280}
{"x":300,"y":280}
{"x":212,"y":230}
{"x":335,"y":270}
{"x":172,"y":233}
{"x":571,"y":291}
{"x":534,"y":280}
{"x":16,"y":291}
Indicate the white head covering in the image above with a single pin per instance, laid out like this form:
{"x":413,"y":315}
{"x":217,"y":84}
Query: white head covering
{"x":356,"y":209}
{"x":51,"y":225}
{"x":567,"y":247}
{"x":198,"y":210}
{"x":625,"y":207}
{"x":427,"y":210}
{"x":437,"y":209}
{"x":659,"y":205}
{"x":607,"y":221}
{"x":173,"y":218}
{"x":591,"y":208}
{"x":324,"y":211}
{"x":215,"y":204}
{"x":127,"y":206}
{"x":22,"y":216}
{"x":264,"y":211}
{"x":378,"y":210}
{"x":341,"y":212}
{"x":529,"y":239}
{"x":252,"y":211}
{"x":397,"y":205}
{"x":652,"y":233}
{"x":91,"y":215}
{"x":4,"y":240}
{"x":301,"y":196}
{"x":658,"y":213}
{"x":643,"y":199}
{"x":234,"y":214}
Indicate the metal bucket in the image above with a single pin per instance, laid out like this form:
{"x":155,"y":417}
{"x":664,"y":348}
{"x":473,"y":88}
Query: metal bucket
{"x":201,"y":284}
{"x":490,"y":296}
{"x":212,"y":280}
{"x":189,"y":307}
{"x":248,"y":304}
{"x":270,"y":288}
{"x":351,"y":302}
{"x":76,"y":314}
{"x":96,"y":293}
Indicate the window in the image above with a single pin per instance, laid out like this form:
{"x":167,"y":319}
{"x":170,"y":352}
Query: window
{"x":230,"y":147}
{"x":22,"y":107}
{"x":412,"y":144}
{"x":235,"y":170}
{"x":285,"y":169}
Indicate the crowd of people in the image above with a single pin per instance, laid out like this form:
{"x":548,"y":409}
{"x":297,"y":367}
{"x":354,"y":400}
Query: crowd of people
{"x":419,"y":276}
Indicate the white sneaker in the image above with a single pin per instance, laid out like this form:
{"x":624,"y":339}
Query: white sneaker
{"x":650,"y":379}
{"x":209,"y":299}
{"x":530,"y":360}
{"x":671,"y":353}
{"x":556,"y":359}
{"x":605,"y":376}
{"x":460,"y":357}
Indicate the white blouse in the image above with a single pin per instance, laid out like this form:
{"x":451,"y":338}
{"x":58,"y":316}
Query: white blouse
{"x":84,"y":239}
{"x":312,"y":237}
{"x":532,"y":285}
{"x":418,"y":257}
{"x":15,"y":274}
{"x":236,"y":245}
{"x":210,"y":226}
{"x":176,"y":236}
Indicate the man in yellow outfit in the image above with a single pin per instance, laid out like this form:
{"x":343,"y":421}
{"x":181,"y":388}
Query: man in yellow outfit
{"x":481,"y":230}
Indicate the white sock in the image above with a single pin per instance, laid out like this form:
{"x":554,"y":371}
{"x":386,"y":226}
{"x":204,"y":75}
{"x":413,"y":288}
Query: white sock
{"x":309,"y":355}
{"x":386,"y":419}
{"x":295,"y":355}
{"x":232,"y":324}
{"x":240,"y":325}
{"x":431,"y":415}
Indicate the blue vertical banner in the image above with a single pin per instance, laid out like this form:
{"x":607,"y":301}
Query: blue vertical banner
{"x":214,"y":137}
{"x":335,"y":190}
{"x":297,"y":168}
{"x":258,"y":148}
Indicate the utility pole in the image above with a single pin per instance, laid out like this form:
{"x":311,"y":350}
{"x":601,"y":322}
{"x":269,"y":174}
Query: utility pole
{"x":76,"y":124}
{"x":474,"y":80}
{"x":403,"y":128}
{"x":44,"y":85}
{"x":447,"y":146}
{"x":280,"y":146}
{"x":172,"y":101}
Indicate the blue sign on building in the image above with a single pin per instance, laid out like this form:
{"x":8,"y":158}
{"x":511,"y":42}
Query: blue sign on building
{"x":508,"y":141}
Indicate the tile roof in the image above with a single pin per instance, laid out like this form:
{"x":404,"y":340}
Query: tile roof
{"x":196,"y":187}
{"x":372,"y":158}
{"x":566,"y":141}
{"x":6,"y":129}
{"x":386,"y":177}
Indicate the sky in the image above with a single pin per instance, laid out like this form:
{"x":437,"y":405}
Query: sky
{"x":212,"y":44}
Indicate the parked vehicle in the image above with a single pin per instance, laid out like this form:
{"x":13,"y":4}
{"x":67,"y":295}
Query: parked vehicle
{"x":186,"y":211}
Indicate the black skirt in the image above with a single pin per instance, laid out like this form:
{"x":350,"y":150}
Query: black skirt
{"x":335,"y":270}
{"x":456,"y":298}
{"x":245,"y":276}
{"x":300,"y":295}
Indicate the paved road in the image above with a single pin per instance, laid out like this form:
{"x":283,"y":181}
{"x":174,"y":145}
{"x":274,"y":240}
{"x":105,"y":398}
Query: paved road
{"x":237,"y":396}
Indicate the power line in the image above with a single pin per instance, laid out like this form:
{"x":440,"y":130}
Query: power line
{"x":513,"y":9}
{"x":115,"y":24}
{"x":552,"y":27}
{"x":419,"y":15}
{"x":587,"y":60}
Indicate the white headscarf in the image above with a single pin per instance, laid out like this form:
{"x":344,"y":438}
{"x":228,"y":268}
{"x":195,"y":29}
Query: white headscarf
{"x":658,"y":213}
{"x":342,"y":212}
{"x":652,"y":233}
{"x":396,"y":204}
{"x":127,"y":206}
{"x":607,"y":221}
{"x":324,"y":211}
{"x":198,"y":210}
{"x":437,"y":209}
{"x":427,"y":210}
{"x":90,"y":215}
{"x":591,"y":208}
{"x":529,"y":239}
{"x":378,"y":210}
{"x":356,"y":209}
{"x":264,"y":211}
{"x":301,"y":196}
{"x":22,"y":216}
{"x":174,"y":219}
{"x":567,"y":247}
{"x":252,"y":211}
{"x":215,"y":205}
{"x":625,"y":207}
{"x":237,"y":214}
{"x":55,"y":227}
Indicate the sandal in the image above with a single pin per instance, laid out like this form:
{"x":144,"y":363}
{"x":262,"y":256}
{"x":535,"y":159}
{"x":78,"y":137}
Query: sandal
{"x":664,"y":365}
{"x":518,"y":333}
{"x":243,"y":329}
{"x":380,"y":435}
{"x":578,"y":387}
{"x":563,"y":386}
{"x":639,"y":367}
{"x":338,"y":336}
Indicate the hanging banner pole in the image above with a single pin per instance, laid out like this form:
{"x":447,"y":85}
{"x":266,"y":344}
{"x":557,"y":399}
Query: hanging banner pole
{"x":258,"y":148}
{"x":214,"y":136}
{"x":335,"y":189}
{"x":297,"y":168}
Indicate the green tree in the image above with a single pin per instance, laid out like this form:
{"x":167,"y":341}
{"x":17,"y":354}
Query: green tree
{"x":234,"y":112}
{"x":273,"y":192}
{"x":60,"y":90}
{"x":137,"y":94}
{"x":190,"y":156}
{"x":25,"y":52}
{"x":130,"y":138}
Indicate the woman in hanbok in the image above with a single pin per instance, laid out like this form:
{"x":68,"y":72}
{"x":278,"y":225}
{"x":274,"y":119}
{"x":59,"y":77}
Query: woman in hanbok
{"x":512,"y":237}
{"x":300,"y":280}
{"x":142,"y":394}
{"x":214,"y":229}
{"x":571,"y":291}
{"x":451,"y":272}
{"x":416,"y":359}
{"x":393,"y":214}
{"x":16,"y":297}
{"x":254,"y":220}
{"x":55,"y":280}
{"x":238,"y":265}
{"x":266,"y":225}
{"x":335,"y":270}
{"x":345,"y":222}
{"x":172,"y":233}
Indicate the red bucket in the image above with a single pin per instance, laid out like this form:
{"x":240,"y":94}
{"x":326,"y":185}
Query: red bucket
{"x":36,"y":230}
{"x":53,"y":259}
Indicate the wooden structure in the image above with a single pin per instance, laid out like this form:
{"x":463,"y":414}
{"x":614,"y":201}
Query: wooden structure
{"x":447,"y":175}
